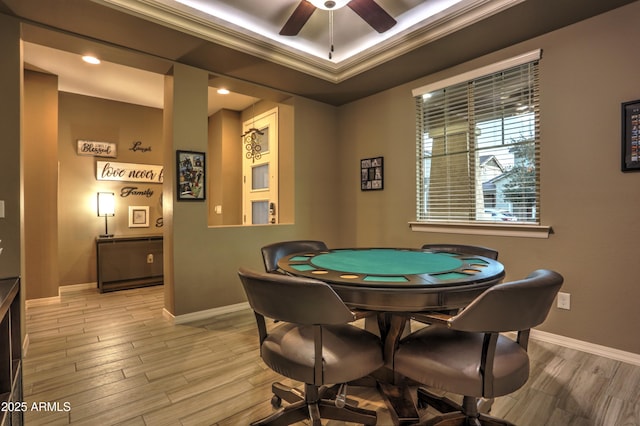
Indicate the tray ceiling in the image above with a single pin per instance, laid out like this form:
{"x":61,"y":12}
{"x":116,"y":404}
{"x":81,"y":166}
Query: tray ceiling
{"x":237,"y":41}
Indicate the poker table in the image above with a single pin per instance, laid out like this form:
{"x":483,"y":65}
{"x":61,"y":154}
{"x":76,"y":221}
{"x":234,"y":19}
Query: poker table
{"x":397,"y":279}
{"x":396,"y":282}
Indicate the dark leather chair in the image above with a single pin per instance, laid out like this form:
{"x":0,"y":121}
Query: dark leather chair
{"x":456,"y":248}
{"x":466,"y":355}
{"x":463,"y":248}
{"x":273,"y":252}
{"x":313,"y":343}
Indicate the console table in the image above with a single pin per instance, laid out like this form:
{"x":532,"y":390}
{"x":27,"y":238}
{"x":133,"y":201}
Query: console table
{"x":10,"y":353}
{"x":129,"y":262}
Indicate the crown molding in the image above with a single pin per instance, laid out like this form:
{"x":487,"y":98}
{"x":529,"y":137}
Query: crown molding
{"x":228,"y":35}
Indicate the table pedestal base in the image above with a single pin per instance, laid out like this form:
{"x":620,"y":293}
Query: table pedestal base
{"x":400,"y":404}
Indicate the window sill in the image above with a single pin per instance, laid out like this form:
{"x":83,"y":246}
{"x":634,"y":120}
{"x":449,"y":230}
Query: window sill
{"x":497,"y":229}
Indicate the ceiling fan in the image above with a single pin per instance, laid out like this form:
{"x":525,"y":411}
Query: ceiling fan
{"x":369,"y":10}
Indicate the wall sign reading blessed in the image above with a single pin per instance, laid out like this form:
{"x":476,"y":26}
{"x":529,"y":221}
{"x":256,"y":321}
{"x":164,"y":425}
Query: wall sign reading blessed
{"x":97,"y":149}
{"x":128,"y":172}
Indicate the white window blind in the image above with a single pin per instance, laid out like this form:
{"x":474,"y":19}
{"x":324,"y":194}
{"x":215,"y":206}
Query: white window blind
{"x":478,"y":148}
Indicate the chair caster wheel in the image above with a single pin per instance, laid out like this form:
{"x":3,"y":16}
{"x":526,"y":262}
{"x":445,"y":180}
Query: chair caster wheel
{"x":276,"y":401}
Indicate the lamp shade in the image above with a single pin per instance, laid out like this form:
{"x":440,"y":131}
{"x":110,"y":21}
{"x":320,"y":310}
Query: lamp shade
{"x":106,"y":204}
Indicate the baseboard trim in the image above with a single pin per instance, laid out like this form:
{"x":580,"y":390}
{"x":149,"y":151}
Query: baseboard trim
{"x":592,"y":348}
{"x":543,"y":336}
{"x":25,"y":345}
{"x":42,"y":301}
{"x":76,"y":287}
{"x":202,"y":315}
{"x":61,"y":290}
{"x":168,"y":315}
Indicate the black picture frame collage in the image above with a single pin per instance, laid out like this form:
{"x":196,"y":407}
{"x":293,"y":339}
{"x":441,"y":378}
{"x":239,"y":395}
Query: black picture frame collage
{"x":372,"y":174}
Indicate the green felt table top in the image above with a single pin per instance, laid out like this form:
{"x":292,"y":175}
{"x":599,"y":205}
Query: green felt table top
{"x":392,"y":267}
{"x":386,"y":262}
{"x":397,"y":279}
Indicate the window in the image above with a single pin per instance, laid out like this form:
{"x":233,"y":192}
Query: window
{"x":478,"y":145}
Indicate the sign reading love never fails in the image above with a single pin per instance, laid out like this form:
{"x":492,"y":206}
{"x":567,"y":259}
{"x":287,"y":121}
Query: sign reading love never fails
{"x":128,"y":172}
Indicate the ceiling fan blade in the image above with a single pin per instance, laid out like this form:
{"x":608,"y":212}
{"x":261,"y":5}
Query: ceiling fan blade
{"x":373,"y":14}
{"x":298,"y":18}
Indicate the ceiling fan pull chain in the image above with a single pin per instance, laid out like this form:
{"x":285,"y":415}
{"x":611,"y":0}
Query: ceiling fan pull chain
{"x":330,"y":34}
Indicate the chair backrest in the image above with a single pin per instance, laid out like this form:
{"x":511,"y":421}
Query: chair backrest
{"x":512,"y":306}
{"x":273,"y":252}
{"x":291,"y":299}
{"x":463,"y":248}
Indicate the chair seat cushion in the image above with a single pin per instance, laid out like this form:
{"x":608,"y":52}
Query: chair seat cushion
{"x":349,"y":353}
{"x":450,"y":360}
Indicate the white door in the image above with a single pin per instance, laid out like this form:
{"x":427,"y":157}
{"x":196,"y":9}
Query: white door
{"x":260,"y":169}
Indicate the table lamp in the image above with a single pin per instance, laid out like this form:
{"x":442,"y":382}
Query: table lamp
{"x":106,"y":207}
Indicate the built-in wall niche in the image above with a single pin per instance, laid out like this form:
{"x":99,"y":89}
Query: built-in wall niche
{"x":251,"y":165}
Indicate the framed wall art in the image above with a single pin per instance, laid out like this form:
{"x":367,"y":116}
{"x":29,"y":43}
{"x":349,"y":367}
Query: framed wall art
{"x":191,"y":175}
{"x":371,"y":174}
{"x":631,"y":136}
{"x":138,"y":216}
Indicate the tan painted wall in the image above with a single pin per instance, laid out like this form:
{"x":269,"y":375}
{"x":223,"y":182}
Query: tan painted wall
{"x":206,"y":259}
{"x":10,"y":134}
{"x":225,"y":168}
{"x":587,"y":70}
{"x":40,"y":156}
{"x":87,"y":118}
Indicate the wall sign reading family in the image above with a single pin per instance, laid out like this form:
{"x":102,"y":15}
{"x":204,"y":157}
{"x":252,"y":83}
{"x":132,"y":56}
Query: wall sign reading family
{"x":191,"y":175}
{"x":128,"y":172}
{"x":371,"y":171}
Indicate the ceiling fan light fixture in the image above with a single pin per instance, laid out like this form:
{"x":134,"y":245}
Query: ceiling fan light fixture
{"x":329,"y":4}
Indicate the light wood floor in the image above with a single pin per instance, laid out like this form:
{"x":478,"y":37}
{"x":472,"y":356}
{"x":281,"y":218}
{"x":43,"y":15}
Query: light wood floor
{"x":113,"y":359}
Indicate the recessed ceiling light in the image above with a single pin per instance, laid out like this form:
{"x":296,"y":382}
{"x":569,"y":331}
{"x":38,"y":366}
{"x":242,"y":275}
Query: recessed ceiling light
{"x":91,"y":59}
{"x":223,"y":91}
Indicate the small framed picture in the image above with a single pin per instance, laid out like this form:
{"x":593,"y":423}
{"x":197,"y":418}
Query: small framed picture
{"x":371,"y":174}
{"x":191,"y":175}
{"x":138,"y":216}
{"x":631,"y":136}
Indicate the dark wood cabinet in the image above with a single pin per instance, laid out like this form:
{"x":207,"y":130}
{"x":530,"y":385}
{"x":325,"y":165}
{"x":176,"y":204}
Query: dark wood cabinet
{"x":129,"y":262}
{"x":11,"y":401}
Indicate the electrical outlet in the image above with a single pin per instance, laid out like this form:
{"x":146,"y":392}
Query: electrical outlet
{"x":564,"y":301}
{"x":150,"y":258}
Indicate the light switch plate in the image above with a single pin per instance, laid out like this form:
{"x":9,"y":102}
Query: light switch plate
{"x":1,"y":209}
